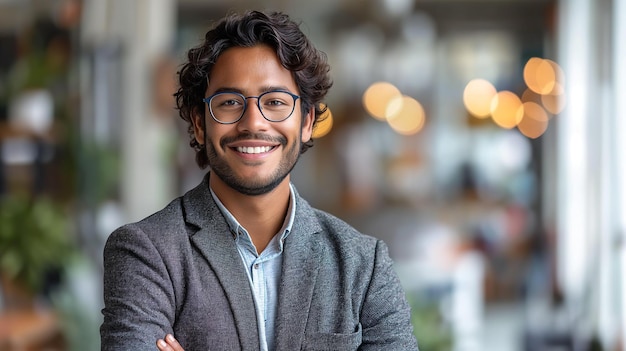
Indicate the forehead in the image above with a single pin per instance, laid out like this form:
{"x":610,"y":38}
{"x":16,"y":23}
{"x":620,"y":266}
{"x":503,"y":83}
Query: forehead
{"x":250,"y":70}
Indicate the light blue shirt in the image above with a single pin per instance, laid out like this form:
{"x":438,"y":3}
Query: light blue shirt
{"x":264,"y":269}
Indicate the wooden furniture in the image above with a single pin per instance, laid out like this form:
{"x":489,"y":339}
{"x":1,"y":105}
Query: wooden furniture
{"x":30,"y":330}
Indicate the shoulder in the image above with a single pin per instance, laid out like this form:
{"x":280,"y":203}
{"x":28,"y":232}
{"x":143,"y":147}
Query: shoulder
{"x":156,"y":227}
{"x":331,"y":229}
{"x":182,"y":216}
{"x":345,"y":243}
{"x":339,"y":228}
{"x":171,"y":216}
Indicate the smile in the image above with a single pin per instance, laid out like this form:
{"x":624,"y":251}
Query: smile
{"x":254,"y":150}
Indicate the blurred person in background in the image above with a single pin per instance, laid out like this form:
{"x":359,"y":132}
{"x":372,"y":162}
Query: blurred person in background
{"x":242,"y":262}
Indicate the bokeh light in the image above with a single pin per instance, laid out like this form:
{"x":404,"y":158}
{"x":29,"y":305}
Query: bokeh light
{"x":539,"y":75}
{"x":543,"y":76}
{"x":325,"y":124}
{"x":530,"y":112}
{"x":477,"y":97}
{"x":506,"y":109}
{"x":377,"y":97}
{"x":554,"y":103}
{"x":405,"y":115}
{"x":559,"y":77}
{"x":530,"y":74}
{"x":535,"y":120}
{"x":531,"y":96}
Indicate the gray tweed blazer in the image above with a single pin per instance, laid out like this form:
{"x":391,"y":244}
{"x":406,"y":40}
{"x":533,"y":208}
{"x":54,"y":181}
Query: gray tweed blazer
{"x":178,"y":271}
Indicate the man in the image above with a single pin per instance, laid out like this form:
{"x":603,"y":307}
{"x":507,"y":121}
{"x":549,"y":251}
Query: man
{"x":242,"y":262}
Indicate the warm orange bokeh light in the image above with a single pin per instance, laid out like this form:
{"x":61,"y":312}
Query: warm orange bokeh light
{"x":325,"y":124}
{"x":554,"y":103}
{"x":477,"y":97}
{"x":559,"y":78}
{"x":405,"y":115}
{"x":543,"y":76}
{"x":539,"y":75}
{"x":530,"y":96}
{"x":535,"y":120}
{"x":377,"y":97}
{"x":530,"y":74}
{"x":506,"y":109}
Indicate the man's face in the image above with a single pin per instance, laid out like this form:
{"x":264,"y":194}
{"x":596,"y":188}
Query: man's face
{"x":253,"y":155}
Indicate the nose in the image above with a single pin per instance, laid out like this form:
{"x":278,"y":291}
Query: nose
{"x":252,"y":119}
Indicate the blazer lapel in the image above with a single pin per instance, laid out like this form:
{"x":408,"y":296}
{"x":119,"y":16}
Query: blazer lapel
{"x":301,"y":260}
{"x":216,"y":243}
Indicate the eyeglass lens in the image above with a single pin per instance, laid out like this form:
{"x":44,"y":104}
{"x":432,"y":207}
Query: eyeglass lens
{"x":274,"y":105}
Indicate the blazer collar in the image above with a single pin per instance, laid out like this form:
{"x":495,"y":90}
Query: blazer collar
{"x":301,"y":261}
{"x":215,"y":242}
{"x":200,"y":209}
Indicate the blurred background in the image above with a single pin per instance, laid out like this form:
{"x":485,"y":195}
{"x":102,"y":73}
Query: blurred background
{"x":483,"y":140}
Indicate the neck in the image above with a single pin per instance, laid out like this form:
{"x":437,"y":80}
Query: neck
{"x":261,"y":215}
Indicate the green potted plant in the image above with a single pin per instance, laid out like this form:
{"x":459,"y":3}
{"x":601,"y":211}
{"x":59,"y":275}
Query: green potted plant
{"x":34,"y":242}
{"x":431,"y":330}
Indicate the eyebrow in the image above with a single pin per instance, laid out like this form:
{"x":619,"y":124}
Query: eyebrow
{"x":262,"y":90}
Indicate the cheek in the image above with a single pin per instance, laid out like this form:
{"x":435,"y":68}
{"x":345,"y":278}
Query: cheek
{"x":215,"y":132}
{"x":296,"y":132}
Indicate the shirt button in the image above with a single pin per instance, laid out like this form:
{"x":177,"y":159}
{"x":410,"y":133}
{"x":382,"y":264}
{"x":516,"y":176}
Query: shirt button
{"x":256,"y":266}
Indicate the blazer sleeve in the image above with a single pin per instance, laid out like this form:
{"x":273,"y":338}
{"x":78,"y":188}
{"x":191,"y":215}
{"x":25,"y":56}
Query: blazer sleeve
{"x":139,"y":304}
{"x":386,"y":315}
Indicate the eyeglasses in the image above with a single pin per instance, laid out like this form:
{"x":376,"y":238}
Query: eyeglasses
{"x":229,"y":107}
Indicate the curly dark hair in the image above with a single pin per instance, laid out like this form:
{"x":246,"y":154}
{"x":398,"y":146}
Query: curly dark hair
{"x":296,"y":53}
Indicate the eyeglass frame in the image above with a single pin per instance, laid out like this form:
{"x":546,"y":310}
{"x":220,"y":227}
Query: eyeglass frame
{"x":208,"y":99}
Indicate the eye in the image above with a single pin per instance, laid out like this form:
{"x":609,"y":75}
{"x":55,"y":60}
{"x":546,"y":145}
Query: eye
{"x":277,"y":100}
{"x":227,"y":100}
{"x":274,"y":102}
{"x":231,"y":102}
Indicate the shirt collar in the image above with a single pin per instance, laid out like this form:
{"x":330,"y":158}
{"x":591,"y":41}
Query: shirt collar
{"x":236,"y":228}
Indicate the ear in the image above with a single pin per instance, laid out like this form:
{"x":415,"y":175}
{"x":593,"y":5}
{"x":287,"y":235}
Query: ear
{"x":198,"y":131}
{"x":307,"y":125}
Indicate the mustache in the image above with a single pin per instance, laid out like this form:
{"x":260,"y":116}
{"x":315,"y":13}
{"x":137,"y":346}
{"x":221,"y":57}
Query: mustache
{"x":253,"y":136}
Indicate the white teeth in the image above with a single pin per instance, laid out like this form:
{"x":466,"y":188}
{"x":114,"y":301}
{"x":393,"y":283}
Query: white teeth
{"x":253,"y":150}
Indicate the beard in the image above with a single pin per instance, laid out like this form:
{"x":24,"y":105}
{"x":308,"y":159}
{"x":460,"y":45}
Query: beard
{"x":253,"y":187}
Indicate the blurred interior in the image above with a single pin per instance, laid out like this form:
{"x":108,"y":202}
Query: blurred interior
{"x":506,"y":225}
